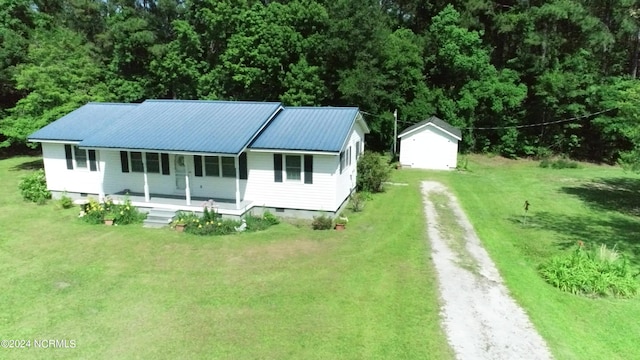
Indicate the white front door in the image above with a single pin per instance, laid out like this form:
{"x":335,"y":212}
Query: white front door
{"x":181,"y":172}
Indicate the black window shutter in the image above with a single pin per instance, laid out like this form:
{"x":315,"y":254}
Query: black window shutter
{"x":277,"y":167}
{"x":93,"y":166}
{"x":68,"y":156}
{"x":308,"y":169}
{"x":164,"y":158}
{"x":243,"y":166}
{"x":197,"y":162}
{"x":124,"y":161}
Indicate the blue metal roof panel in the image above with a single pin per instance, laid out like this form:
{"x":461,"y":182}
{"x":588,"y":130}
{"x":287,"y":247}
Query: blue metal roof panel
{"x":186,"y":125}
{"x":82,"y":122}
{"x":308,"y":129}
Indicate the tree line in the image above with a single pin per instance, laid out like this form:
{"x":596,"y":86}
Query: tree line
{"x":496,"y":69}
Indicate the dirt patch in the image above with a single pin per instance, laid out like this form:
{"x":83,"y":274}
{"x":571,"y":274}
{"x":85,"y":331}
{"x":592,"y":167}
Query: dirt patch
{"x":479,"y":316}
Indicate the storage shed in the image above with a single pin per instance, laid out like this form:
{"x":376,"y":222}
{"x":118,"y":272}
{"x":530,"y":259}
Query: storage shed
{"x":430,"y":144}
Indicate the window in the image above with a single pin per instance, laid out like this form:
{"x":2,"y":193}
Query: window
{"x":153,"y":163}
{"x":349,"y":156}
{"x":293,"y":167}
{"x":357,"y":150}
{"x":212,"y":166}
{"x":341,"y":162}
{"x":76,"y":158}
{"x":81,"y":157}
{"x":228,"y":166}
{"x":136,"y":162}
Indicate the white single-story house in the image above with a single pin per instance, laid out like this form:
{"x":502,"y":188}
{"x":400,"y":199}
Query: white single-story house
{"x":430,"y":144}
{"x":179,"y":154}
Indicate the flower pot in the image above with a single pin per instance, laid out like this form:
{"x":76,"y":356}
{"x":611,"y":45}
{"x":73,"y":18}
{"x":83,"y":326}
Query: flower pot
{"x":108,"y":222}
{"x":340,"y":227}
{"x":180,"y":227}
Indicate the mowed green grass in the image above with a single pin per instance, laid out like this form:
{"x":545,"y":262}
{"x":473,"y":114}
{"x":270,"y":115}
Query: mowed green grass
{"x":593,"y":204}
{"x":286,"y":293}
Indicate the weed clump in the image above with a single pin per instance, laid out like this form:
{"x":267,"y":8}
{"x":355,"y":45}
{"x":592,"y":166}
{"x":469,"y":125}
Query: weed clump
{"x":597,"y":272}
{"x":558,"y":164}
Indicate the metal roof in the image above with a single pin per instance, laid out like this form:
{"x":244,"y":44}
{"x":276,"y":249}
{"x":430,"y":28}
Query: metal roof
{"x":308,"y":129}
{"x":82,"y":122}
{"x":223,"y":127}
{"x":437,"y":122}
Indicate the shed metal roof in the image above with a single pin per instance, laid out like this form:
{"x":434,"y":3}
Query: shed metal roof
{"x":308,"y":129}
{"x":82,"y":122}
{"x":437,"y":122}
{"x":223,"y":127}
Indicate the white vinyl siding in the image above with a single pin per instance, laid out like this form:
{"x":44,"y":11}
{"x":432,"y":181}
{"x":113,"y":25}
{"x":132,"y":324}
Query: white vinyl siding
{"x":60,"y":178}
{"x":264,"y":191}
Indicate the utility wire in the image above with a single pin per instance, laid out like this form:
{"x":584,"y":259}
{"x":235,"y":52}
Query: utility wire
{"x":540,"y":124}
{"x":515,"y":126}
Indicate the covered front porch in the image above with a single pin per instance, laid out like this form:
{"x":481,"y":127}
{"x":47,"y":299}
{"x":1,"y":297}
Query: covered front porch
{"x":175,"y":181}
{"x":174,"y":202}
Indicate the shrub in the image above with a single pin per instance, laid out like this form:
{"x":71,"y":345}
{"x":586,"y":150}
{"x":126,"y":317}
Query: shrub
{"x":211,"y":223}
{"x":357,"y":201}
{"x":212,"y":227}
{"x":558,"y":164}
{"x":272,"y":219}
{"x":65,"y":202}
{"x":322,"y":222}
{"x":127,"y":214}
{"x":94,"y":212}
{"x":34,"y":188}
{"x":256,"y":223}
{"x":599,"y":272}
{"x":373,"y":171}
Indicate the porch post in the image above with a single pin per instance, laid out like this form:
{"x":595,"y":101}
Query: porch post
{"x":187,"y":189}
{"x":237,"y":164}
{"x":146,"y":181}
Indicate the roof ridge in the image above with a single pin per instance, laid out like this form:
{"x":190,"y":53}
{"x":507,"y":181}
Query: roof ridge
{"x":213,"y":101}
{"x":111,"y":103}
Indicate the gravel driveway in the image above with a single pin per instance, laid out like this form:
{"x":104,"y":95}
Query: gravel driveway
{"x":479,"y":317}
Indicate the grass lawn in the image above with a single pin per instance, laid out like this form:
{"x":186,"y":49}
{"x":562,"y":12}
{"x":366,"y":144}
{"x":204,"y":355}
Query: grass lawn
{"x":288,"y":292}
{"x":594,"y":204}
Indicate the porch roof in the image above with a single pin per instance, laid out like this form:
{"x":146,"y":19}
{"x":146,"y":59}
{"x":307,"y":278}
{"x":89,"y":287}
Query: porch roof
{"x":308,"y":129}
{"x":82,"y":122}
{"x":223,"y":127}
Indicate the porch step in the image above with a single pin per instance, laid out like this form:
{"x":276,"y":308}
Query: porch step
{"x":157,"y":218}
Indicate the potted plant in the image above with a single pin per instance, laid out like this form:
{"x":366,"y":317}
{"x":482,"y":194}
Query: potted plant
{"x":109,"y":218}
{"x":179,"y":225}
{"x":341,"y":222}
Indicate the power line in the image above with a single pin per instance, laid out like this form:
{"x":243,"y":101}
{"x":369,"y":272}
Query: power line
{"x":539,"y":124}
{"x":580,"y":117}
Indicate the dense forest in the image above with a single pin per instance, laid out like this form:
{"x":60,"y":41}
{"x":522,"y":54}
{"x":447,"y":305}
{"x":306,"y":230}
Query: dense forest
{"x":520,"y":77}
